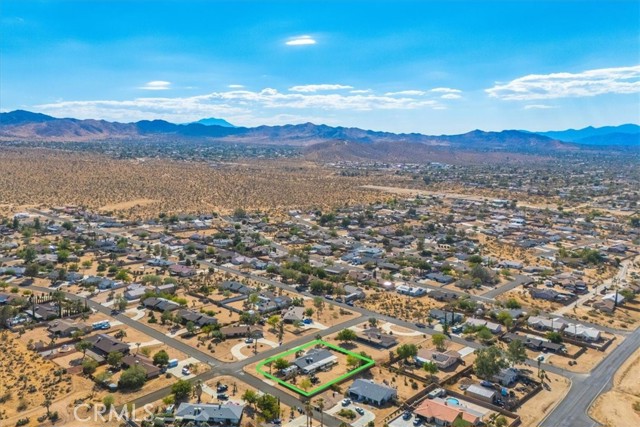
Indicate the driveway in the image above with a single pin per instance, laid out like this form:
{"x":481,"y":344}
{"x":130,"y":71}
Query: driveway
{"x":236,"y":349}
{"x":362,"y":421}
{"x":177,"y":371}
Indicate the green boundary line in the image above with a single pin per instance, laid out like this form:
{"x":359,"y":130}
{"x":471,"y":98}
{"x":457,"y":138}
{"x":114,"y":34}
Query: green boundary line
{"x":369,"y":363}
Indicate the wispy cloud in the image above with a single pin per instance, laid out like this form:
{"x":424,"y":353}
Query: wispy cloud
{"x":156,"y":85}
{"x":235,"y":105}
{"x":406,"y":93}
{"x":621,"y":80}
{"x":300,"y":41}
{"x":445,"y":90}
{"x":539,"y":107}
{"x":451,"y":96}
{"x":236,"y":86}
{"x":361,"y":91}
{"x":318,"y":88}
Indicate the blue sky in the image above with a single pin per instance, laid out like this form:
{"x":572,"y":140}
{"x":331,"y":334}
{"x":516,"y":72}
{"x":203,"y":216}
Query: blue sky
{"x":403,"y":66}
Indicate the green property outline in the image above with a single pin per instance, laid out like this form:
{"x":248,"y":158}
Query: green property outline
{"x":369,"y":363}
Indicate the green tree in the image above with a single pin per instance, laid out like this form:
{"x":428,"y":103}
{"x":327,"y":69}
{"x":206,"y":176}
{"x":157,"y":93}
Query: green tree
{"x":63,"y":255}
{"x":108,"y":401}
{"x":114,"y":359}
{"x":431,"y":368}
{"x":554,"y":337}
{"x":484,"y":333}
{"x":82,"y":346}
{"x":512,"y":303}
{"x":280,"y":363}
{"x":133,"y":378}
{"x":305,"y":384}
{"x":516,"y":352}
{"x":346,"y":335}
{"x":181,"y":389}
{"x":406,"y":351}
{"x":269,"y":406}
{"x":161,"y":358}
{"x":439,"y":341}
{"x":505,"y":318}
{"x":353,"y":361}
{"x":273,"y":321}
{"x":250,"y":396}
{"x":489,"y":361}
{"x":89,"y":366}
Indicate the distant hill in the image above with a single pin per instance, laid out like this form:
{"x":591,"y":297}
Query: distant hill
{"x":319,"y":142}
{"x":212,"y":121}
{"x":628,"y":134}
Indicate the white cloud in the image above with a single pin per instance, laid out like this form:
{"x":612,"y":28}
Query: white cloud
{"x":360,"y":91}
{"x":234,"y":105}
{"x":236,"y":86}
{"x":539,"y":107}
{"x":300,"y":41}
{"x":621,"y":80}
{"x":451,"y":96}
{"x":406,"y":93}
{"x":156,"y":85}
{"x":318,"y":88}
{"x":445,"y":90}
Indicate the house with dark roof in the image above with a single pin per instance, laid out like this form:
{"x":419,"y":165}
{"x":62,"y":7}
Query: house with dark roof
{"x":371,"y":392}
{"x":142,"y":361}
{"x":241,"y":331}
{"x":377,"y":338}
{"x":236,"y":287}
{"x":160,"y":304}
{"x":221,"y":414}
{"x":66,"y":328}
{"x":104,"y":344}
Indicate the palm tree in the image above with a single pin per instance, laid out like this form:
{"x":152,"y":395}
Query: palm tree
{"x":320,"y":407}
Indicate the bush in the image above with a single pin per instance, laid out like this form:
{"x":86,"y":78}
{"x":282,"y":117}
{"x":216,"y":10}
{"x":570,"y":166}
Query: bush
{"x":23,"y":422}
{"x":133,"y":378}
{"x":347,"y":413}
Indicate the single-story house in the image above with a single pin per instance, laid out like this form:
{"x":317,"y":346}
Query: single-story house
{"x":506,"y":376}
{"x":377,"y":337}
{"x":545,"y":324}
{"x":582,"y":332}
{"x":449,"y":317}
{"x":181,"y":270}
{"x":140,"y":360}
{"x":441,"y":413}
{"x":224,"y":414}
{"x":495,"y":328}
{"x":160,"y":304}
{"x":315,"y":360}
{"x":241,"y":331}
{"x":371,"y":392}
{"x":440,"y":278}
{"x":293,"y":314}
{"x":104,"y":344}
{"x":66,"y":328}
{"x":413,"y":291}
{"x":443,"y":360}
{"x":236,"y":287}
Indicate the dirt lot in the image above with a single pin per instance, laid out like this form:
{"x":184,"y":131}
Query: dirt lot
{"x":587,"y":360}
{"x":21,"y":369}
{"x":615,"y":407}
{"x":533,"y":411}
{"x":622,"y":318}
{"x":403,"y":307}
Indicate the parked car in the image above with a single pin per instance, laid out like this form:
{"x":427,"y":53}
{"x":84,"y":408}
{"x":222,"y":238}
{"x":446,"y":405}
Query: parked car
{"x":249,"y":340}
{"x":421,"y":325}
{"x":417,"y":422}
{"x":360,"y":410}
{"x":346,"y":402}
{"x":222,"y":388}
{"x":186,"y":371}
{"x":223,"y":396}
{"x":406,"y":416}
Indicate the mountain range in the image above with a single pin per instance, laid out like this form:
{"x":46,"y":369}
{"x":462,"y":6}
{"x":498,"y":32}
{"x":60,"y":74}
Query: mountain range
{"x":317,"y":141}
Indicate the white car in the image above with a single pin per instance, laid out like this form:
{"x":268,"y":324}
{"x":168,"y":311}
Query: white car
{"x":186,"y":371}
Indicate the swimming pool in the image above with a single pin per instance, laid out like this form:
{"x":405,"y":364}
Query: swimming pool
{"x":452,"y":401}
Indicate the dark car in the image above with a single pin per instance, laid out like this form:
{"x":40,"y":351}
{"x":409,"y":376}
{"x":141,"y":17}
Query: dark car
{"x":421,"y":325}
{"x":222,"y":388}
{"x":223,"y":396}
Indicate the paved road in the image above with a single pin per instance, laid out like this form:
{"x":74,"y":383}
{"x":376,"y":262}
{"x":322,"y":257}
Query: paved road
{"x":518,"y":280}
{"x":572,"y":410}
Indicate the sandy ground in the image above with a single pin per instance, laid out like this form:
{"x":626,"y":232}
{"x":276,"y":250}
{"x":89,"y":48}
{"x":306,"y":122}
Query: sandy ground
{"x":587,"y":360}
{"x":615,"y":407}
{"x":127,"y":205}
{"x":542,"y":403}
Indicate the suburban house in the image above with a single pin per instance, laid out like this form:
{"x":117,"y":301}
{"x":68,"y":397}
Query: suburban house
{"x":371,"y":392}
{"x":377,"y":338}
{"x":506,"y":376}
{"x":135,"y":291}
{"x":293,"y":314}
{"x":227,"y":414}
{"x":45,"y":311}
{"x":439,"y":295}
{"x":66,"y":328}
{"x":482,"y":393}
{"x":605,"y":306}
{"x":443,"y":360}
{"x":241,"y":331}
{"x":495,"y":328}
{"x":440,"y":278}
{"x":181,"y":270}
{"x":441,"y":413}
{"x":236,"y":287}
{"x":413,"y":291}
{"x":315,"y":360}
{"x":140,"y":360}
{"x":160,"y":304}
{"x":544,"y":324}
{"x":197,"y":318}
{"x":449,"y":317}
{"x":582,"y":332}
{"x":104,"y":344}
{"x":269,"y":302}
{"x":353,"y":293}
{"x":535,"y":344}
